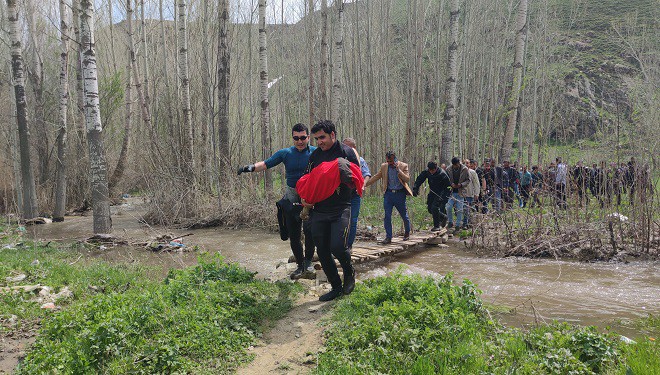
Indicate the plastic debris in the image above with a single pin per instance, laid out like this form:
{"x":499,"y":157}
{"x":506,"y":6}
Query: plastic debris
{"x":627,"y":340}
{"x":49,"y":306}
{"x":35,"y":262}
{"x":617,"y":217}
{"x":16,"y":279}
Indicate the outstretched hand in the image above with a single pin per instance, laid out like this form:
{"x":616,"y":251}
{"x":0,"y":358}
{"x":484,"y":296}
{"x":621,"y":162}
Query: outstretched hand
{"x":245,"y":169}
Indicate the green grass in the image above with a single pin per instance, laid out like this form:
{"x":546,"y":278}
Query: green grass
{"x":408,"y":324}
{"x":198,"y":320}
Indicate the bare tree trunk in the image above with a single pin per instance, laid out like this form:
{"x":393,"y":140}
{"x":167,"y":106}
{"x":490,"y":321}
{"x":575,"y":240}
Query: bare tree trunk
{"x":223,"y":92}
{"x":449,"y":119}
{"x":521,"y":36}
{"x":118,"y":173}
{"x":323,"y":89}
{"x":60,"y":182}
{"x":112,"y":35}
{"x":98,"y":168}
{"x":337,"y":70}
{"x":29,"y":190}
{"x":80,"y":119}
{"x":265,"y":111}
{"x":146,"y":101}
{"x":310,"y":56}
{"x":185,"y":91}
{"x":37,"y":78}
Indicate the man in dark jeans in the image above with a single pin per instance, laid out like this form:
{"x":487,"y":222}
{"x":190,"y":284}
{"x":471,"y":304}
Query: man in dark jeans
{"x":438,"y":195}
{"x":295,"y":160}
{"x":330,"y":218}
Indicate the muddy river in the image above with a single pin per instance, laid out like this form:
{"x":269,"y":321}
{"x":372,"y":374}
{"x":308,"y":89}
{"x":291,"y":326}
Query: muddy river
{"x":536,"y":290}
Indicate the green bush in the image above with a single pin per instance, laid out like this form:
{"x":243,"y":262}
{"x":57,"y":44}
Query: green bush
{"x":408,"y":324}
{"x":200,"y":318}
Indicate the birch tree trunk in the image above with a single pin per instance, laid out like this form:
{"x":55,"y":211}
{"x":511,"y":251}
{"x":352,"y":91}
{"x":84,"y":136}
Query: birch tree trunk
{"x":337,"y":69}
{"x":118,"y":172}
{"x":310,"y":61}
{"x":98,"y":168}
{"x":323,"y":77}
{"x":265,"y":111}
{"x":80,"y":118}
{"x":36,"y":76}
{"x":60,"y":182}
{"x":184,"y":78}
{"x":521,"y":36}
{"x":449,"y":119}
{"x":18,"y":74}
{"x":223,"y":88}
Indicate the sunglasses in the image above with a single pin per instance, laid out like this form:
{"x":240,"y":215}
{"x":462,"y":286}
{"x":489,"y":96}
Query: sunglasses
{"x":301,"y":138}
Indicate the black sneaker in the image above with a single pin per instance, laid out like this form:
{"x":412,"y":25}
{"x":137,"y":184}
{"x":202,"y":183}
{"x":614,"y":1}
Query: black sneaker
{"x":435,"y":229}
{"x":349,"y":282}
{"x":309,"y":271}
{"x":450,"y":225}
{"x":334,"y":293}
{"x":386,"y":241}
{"x":406,"y":236}
{"x":295,"y":275}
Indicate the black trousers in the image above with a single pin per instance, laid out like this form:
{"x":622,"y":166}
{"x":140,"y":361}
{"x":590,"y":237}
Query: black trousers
{"x":436,"y":207}
{"x":294,"y":225}
{"x":330,"y":232}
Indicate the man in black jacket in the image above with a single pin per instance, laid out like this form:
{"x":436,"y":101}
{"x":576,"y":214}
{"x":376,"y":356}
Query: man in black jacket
{"x":439,"y":185}
{"x":330,"y":218}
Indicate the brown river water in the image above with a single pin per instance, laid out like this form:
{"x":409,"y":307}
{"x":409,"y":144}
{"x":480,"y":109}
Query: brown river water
{"x":532,"y":290}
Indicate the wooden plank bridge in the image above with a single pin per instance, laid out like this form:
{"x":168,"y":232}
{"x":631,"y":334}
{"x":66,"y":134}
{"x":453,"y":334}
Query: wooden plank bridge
{"x":366,"y":251}
{"x":370,"y":250}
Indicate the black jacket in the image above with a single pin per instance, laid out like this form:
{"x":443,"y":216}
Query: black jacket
{"x":438,"y":183}
{"x":342,"y":198}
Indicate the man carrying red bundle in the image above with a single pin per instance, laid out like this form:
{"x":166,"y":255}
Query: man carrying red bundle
{"x":330,"y":217}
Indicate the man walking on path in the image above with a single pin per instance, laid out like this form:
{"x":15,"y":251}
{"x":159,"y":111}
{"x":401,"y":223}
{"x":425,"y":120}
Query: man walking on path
{"x":459,"y":178}
{"x":395,"y":177}
{"x":438,"y":193}
{"x":356,"y":200}
{"x":330,"y":218}
{"x":560,"y":183}
{"x":472,"y":193}
{"x":295,"y":161}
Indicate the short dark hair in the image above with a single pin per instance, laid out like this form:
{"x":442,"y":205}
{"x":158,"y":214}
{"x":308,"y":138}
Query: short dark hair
{"x":432,"y":165}
{"x":326,"y":125}
{"x":455,"y":160}
{"x":390,"y":154}
{"x":300,"y":128}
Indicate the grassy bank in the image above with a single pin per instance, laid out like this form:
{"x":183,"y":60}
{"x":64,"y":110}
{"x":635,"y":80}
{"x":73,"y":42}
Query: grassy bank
{"x":126,"y":319}
{"x":414,"y":325}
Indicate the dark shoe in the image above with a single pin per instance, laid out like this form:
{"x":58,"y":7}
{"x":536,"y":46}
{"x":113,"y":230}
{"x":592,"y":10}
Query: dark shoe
{"x":450,"y":225}
{"x":349,"y":282}
{"x":406,"y":236}
{"x":309,"y":271}
{"x":435,"y":229}
{"x":334,"y":293}
{"x":295,"y":275}
{"x":386,"y":241}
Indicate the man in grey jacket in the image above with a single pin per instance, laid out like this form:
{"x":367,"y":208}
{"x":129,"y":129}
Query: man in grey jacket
{"x":460,"y":179}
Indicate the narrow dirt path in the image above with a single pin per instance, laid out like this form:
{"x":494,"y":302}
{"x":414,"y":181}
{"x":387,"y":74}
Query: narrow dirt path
{"x":292,"y":345}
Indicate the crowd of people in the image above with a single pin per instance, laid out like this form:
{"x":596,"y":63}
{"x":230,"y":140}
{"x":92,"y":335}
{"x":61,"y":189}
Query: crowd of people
{"x":466,"y":187}
{"x":324,"y":185}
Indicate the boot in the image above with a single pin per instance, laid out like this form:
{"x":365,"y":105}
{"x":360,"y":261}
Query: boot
{"x":349,"y":281}
{"x":334,"y":293}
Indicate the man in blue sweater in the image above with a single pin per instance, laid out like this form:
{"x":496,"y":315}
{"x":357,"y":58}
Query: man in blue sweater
{"x":295,"y":161}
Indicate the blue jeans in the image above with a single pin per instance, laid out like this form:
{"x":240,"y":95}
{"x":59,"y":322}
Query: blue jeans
{"x":455,"y":202}
{"x":393,"y":200}
{"x":356,"y":201}
{"x":466,"y":210}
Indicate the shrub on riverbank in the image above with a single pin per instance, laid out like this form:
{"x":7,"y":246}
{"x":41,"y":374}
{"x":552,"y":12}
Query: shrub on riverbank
{"x":200,"y":318}
{"x":417,"y":325}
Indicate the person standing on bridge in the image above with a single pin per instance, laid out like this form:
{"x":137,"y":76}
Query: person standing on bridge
{"x":395,"y":177}
{"x":295,"y":161}
{"x":356,"y":200}
{"x":330,"y":218}
{"x":438,"y":196}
